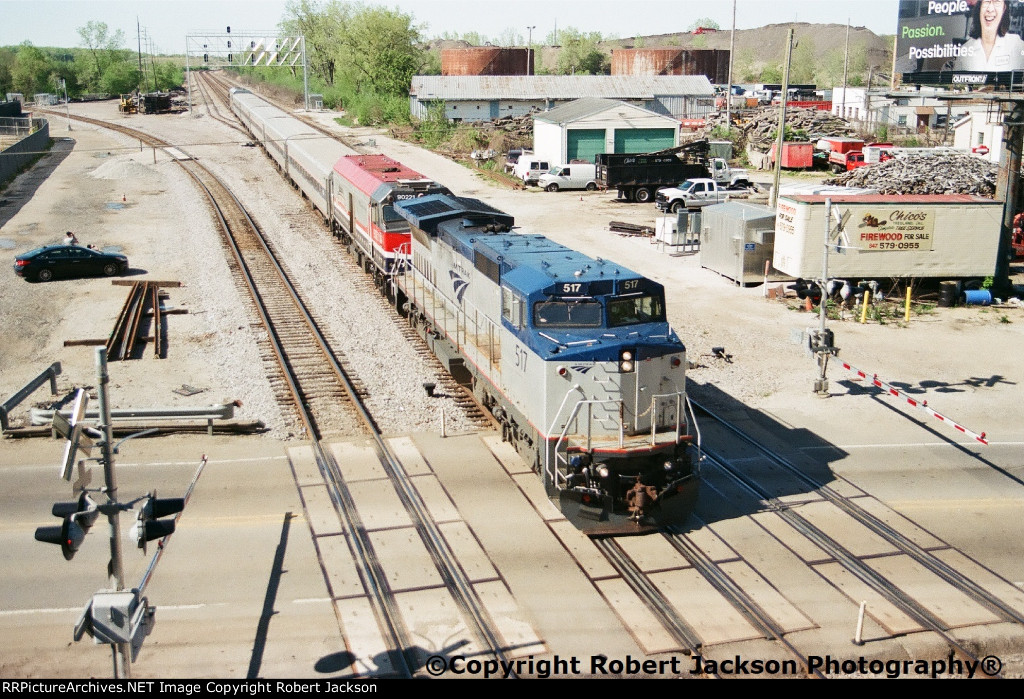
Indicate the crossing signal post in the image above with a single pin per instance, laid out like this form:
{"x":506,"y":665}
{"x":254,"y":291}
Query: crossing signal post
{"x":116,"y":616}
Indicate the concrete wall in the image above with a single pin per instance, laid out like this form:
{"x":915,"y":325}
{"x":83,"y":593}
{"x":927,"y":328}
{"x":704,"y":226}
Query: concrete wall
{"x":17,"y":156}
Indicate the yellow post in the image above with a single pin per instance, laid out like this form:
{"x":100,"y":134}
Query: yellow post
{"x":864,"y":310}
{"x":906,"y":315}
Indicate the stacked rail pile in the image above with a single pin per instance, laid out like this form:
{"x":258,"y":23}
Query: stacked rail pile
{"x":143,"y":300}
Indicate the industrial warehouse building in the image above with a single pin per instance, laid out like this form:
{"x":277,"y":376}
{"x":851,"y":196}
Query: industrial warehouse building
{"x":582,"y":129}
{"x":490,"y":97}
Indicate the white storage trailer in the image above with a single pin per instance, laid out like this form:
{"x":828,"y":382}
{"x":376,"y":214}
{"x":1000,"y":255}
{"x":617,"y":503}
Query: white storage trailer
{"x":943,"y":236}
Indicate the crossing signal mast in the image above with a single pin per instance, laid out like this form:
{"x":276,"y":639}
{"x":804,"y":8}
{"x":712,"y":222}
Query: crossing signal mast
{"x":117,"y":616}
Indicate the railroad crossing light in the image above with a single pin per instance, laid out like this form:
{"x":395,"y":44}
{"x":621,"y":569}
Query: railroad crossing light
{"x":149,"y":526}
{"x":206,"y":58}
{"x":78,"y":518}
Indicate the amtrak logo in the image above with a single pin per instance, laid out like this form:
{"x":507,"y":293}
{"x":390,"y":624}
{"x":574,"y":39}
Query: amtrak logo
{"x":459,"y":285}
{"x":582,"y":368}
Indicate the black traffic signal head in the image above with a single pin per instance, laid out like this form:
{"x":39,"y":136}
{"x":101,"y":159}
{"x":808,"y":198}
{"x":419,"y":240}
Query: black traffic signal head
{"x":78,"y":518}
{"x":149,"y":525}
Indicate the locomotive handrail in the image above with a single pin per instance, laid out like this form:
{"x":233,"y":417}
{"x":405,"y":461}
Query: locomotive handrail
{"x":556,"y":474}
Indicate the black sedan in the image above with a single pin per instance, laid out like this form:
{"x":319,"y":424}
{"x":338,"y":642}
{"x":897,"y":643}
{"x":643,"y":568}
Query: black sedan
{"x":52,"y":261}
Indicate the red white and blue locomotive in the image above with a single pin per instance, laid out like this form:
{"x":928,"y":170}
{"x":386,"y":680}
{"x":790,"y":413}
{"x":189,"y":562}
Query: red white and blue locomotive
{"x":572,"y":355}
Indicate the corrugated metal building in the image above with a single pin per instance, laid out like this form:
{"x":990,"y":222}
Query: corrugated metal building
{"x":581,"y":129}
{"x":489,"y":97}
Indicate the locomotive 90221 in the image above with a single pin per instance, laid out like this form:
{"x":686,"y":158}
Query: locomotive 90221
{"x":572,"y":355}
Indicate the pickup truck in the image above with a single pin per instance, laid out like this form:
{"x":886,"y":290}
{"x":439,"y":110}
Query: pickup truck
{"x":851,"y":160}
{"x":693,"y":194}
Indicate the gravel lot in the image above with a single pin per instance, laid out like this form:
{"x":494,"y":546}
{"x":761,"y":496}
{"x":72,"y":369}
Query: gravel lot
{"x":113,"y":194}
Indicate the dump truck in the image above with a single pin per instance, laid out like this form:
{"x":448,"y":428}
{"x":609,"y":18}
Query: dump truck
{"x":638,"y":176}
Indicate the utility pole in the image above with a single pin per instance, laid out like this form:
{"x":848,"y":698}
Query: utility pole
{"x":138,"y":34}
{"x":846,"y":67}
{"x":780,"y":141}
{"x":529,"y":50}
{"x":732,"y":53}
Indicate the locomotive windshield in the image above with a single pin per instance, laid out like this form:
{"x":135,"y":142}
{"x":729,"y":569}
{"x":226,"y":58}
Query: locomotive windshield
{"x":567,"y":313}
{"x":635,"y":310}
{"x":393,"y":223}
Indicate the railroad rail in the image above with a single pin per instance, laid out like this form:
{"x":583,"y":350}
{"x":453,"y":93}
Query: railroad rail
{"x":318,"y":383}
{"x":874,"y":580}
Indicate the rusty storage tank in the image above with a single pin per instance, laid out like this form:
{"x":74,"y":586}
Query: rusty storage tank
{"x":714,"y":63}
{"x":486,"y":60}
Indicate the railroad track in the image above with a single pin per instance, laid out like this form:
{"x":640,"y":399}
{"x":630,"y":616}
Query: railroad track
{"x":874,"y":580}
{"x":666,"y":614}
{"x":327,"y":399}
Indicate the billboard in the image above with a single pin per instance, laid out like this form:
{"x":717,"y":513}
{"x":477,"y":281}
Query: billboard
{"x":960,"y":42}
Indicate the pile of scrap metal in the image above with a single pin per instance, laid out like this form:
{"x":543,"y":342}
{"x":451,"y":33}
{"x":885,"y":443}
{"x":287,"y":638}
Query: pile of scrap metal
{"x":155,"y":102}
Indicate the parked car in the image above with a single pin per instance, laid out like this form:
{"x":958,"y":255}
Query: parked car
{"x":53,"y":261}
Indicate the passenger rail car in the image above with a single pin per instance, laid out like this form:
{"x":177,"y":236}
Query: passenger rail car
{"x":573,"y":355}
{"x":354,"y":193}
{"x":305,"y":156}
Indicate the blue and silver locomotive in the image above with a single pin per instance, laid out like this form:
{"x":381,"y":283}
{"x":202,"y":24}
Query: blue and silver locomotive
{"x":573,"y":356}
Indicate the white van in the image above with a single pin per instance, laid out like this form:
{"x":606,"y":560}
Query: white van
{"x":529,"y":168}
{"x":571,"y":176}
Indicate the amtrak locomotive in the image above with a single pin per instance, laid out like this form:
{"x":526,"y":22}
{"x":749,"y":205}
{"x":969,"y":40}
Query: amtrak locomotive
{"x":572,"y":355}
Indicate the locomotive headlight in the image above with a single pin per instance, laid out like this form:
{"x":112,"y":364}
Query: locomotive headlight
{"x":626,"y":359}
{"x":604,"y":472}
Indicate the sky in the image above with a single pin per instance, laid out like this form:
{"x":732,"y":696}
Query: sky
{"x":166,"y":23}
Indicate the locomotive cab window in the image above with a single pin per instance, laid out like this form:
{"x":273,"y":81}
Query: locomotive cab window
{"x":635,"y":310}
{"x":567,"y":313}
{"x":512,"y":307}
{"x":391,"y":222}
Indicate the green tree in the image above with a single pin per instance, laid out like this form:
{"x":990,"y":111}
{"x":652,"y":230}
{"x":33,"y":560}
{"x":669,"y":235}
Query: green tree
{"x":32,"y":70}
{"x":321,"y":25}
{"x":7,"y":57}
{"x":580,"y":53}
{"x":381,"y":51}
{"x":703,"y":22}
{"x":771,"y":74}
{"x":103,"y":47}
{"x":803,"y":63}
{"x":120,"y":77}
{"x":510,"y":37}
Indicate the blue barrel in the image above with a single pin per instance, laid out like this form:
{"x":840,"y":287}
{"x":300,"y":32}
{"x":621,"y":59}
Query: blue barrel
{"x":977,"y":297}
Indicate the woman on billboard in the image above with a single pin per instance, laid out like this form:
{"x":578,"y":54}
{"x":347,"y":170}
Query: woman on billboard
{"x":991,"y":47}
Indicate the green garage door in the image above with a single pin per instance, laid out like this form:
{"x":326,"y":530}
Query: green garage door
{"x":643,"y":140}
{"x":584,"y":144}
